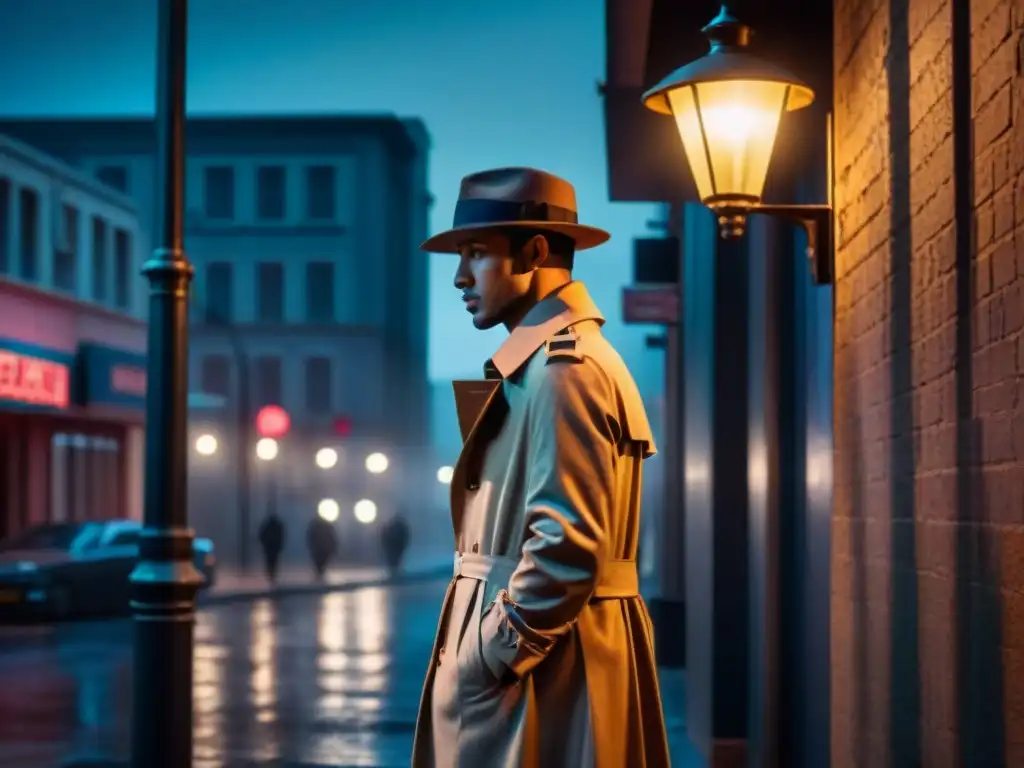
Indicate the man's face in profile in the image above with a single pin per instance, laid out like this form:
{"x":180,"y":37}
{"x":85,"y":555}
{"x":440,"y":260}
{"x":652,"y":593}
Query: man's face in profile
{"x":488,"y":279}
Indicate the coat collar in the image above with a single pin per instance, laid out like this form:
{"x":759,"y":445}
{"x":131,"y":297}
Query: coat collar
{"x":557,"y":311}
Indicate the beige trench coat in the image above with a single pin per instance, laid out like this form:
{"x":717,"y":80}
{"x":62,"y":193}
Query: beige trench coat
{"x":544,"y":654}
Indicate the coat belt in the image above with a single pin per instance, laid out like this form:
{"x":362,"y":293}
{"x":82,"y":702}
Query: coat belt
{"x":619,"y":578}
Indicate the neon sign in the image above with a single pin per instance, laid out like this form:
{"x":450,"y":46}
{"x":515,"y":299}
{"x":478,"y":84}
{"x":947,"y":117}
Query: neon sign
{"x":128,"y":380}
{"x":31,"y":380}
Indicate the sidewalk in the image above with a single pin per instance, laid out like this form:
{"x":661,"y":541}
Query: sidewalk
{"x":232,"y":586}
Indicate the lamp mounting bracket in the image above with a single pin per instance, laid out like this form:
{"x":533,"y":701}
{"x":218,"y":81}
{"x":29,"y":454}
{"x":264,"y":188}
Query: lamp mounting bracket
{"x":816,"y":220}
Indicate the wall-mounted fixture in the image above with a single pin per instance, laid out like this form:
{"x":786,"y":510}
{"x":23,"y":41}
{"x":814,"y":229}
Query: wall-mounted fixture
{"x":727,"y":106}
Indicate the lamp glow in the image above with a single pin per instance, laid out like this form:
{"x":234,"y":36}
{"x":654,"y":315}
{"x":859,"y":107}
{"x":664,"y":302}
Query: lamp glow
{"x":376,"y":463}
{"x":728,"y":130}
{"x":328,"y":509}
{"x":326,"y":458}
{"x":266,"y":449}
{"x":206,"y":445}
{"x":445,"y":474}
{"x":365,"y":511}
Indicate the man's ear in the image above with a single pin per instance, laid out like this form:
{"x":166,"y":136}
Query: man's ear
{"x":537,"y":251}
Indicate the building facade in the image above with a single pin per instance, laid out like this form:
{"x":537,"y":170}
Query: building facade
{"x":304,"y":233}
{"x":72,"y":345}
{"x":310,"y":292}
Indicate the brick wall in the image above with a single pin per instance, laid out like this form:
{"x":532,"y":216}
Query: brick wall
{"x":928,"y":524}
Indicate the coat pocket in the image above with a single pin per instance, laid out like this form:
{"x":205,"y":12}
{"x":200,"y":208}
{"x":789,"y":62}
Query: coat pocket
{"x":474,"y":674}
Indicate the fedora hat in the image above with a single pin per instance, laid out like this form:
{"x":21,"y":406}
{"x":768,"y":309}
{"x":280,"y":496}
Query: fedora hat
{"x":514,"y":198}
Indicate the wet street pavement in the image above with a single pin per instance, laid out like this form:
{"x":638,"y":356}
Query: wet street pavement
{"x":306,"y":681}
{"x":325,"y":680}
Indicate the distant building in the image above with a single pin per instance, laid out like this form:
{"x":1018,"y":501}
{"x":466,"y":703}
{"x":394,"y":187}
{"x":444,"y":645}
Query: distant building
{"x":72,"y":362}
{"x":304,"y":233}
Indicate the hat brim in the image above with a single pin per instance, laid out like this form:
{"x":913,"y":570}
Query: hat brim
{"x":450,"y":240}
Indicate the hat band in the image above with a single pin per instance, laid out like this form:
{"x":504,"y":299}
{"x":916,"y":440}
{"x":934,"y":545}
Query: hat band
{"x":477,"y":212}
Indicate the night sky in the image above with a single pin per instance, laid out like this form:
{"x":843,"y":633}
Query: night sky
{"x":497,"y":83}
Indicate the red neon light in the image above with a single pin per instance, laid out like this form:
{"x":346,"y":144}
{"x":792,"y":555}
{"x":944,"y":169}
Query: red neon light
{"x":273,"y":421}
{"x":128,"y":379}
{"x":31,"y":380}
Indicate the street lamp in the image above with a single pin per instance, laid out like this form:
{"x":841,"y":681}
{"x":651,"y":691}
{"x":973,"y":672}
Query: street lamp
{"x":727,"y":106}
{"x":164,"y":581}
{"x":266,"y":449}
{"x":376,"y":463}
{"x":206,"y":445}
{"x":326,"y":458}
{"x":328,"y":509}
{"x":445,"y":474}
{"x":365,"y":511}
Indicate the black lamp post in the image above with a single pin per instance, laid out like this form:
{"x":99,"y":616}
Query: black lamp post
{"x":165,"y":581}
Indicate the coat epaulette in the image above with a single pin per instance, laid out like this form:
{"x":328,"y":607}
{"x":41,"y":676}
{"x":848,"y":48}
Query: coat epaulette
{"x":561,"y":348}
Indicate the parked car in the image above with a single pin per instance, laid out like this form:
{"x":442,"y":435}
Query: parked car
{"x":61,"y":570}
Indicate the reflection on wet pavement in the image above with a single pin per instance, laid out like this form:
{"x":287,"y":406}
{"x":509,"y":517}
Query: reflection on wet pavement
{"x":330,"y":680}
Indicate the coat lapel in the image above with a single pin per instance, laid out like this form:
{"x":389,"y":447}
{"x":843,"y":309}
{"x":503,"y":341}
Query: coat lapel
{"x":473,"y":401}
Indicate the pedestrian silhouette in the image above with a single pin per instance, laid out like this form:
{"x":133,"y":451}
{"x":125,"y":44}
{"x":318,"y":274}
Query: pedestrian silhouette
{"x":322,"y":542}
{"x":272,"y":541}
{"x":394,"y":537}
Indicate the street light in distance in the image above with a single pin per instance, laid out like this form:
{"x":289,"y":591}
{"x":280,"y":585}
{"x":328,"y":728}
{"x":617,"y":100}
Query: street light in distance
{"x":445,"y":474}
{"x":328,"y":510}
{"x":376,"y":463}
{"x":206,"y":445}
{"x":326,"y":458}
{"x":266,"y":449}
{"x":365,"y":511}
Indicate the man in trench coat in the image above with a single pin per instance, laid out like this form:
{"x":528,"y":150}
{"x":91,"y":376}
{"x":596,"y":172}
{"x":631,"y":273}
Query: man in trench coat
{"x":544,"y":654}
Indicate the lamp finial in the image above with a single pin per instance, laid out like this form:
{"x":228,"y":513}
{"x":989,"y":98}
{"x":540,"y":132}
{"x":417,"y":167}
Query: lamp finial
{"x":726,"y":32}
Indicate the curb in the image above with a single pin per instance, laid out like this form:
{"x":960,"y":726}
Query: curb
{"x":296,"y":590}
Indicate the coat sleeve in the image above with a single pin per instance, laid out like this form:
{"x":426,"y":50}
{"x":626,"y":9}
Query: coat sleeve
{"x":573,"y":437}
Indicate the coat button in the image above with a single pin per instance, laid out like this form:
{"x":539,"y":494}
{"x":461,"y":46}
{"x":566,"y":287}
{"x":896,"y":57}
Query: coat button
{"x":476,"y":547}
{"x":440,"y":653}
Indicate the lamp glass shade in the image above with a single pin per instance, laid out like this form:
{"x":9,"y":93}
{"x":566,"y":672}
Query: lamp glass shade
{"x":728,"y":128}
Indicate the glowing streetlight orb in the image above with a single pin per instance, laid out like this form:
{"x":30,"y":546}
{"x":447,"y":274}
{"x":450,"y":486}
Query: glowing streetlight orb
{"x":328,"y":510}
{"x":206,"y":445}
{"x":445,"y":474}
{"x":365,"y":511}
{"x":376,"y":463}
{"x":326,"y":458}
{"x":727,"y":106}
{"x":266,"y":449}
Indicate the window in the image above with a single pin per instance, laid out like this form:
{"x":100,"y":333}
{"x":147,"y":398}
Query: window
{"x":320,"y":292}
{"x":65,"y":250}
{"x":270,"y":292}
{"x":318,"y":385}
{"x":122,"y":268}
{"x":219,"y":192}
{"x":270,"y":192}
{"x":29,"y":228}
{"x":218,"y":300}
{"x":215,"y":375}
{"x":320,"y":203}
{"x":268,"y":381}
{"x":99,"y":259}
{"x":5,"y":225}
{"x":114,"y":176}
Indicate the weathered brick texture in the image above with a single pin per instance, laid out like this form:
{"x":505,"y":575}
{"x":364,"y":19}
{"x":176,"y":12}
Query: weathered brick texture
{"x":928,"y":591}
